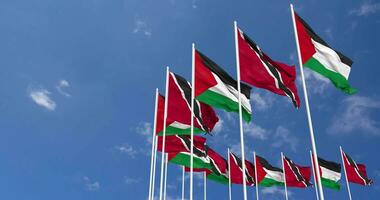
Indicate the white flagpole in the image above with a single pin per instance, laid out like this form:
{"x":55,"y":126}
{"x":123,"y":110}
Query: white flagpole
{"x":192,"y":119}
{"x":284,"y":175}
{"x":183,"y":182}
{"x":240,"y":112}
{"x":229,"y":175}
{"x":345,"y":173}
{"x":154,"y":166}
{"x":315,"y":179}
{"x":166,"y":174}
{"x":205,"y":186}
{"x":314,"y":147}
{"x":257,"y":184}
{"x":164,"y":133}
{"x":151,"y":184}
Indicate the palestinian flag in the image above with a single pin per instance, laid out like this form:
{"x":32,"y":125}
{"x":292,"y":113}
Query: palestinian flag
{"x":356,"y":173}
{"x":179,"y":143}
{"x":296,"y":175}
{"x":236,"y":167}
{"x":267,"y":175}
{"x":179,"y":110}
{"x":329,"y":173}
{"x":217,"y":88}
{"x":160,"y":114}
{"x":259,"y":70}
{"x":317,"y":55}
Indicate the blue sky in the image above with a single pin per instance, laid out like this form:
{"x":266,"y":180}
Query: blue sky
{"x":77,"y":88}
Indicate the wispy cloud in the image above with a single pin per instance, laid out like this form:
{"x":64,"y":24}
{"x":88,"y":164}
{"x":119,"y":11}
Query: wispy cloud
{"x":283,"y":137}
{"x":127,"y":149}
{"x":256,"y":131}
{"x":355,"y":114}
{"x":145,"y":129}
{"x":62,"y":85}
{"x":275,"y":191}
{"x":142,"y":28}
{"x":130,"y":180}
{"x":366,"y":8}
{"x":218,"y":127}
{"x":91,"y":185}
{"x":42,"y":98}
{"x":262,"y":100}
{"x":316,"y":83}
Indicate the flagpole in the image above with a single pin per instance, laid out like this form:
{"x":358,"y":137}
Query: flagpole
{"x":183,"y":182}
{"x":192,"y":118}
{"x":345,"y":173}
{"x":164,"y":132}
{"x":257,"y":184}
{"x":205,"y":186}
{"x":283,"y":169}
{"x":314,"y":148}
{"x":153,"y":147}
{"x":229,"y":175}
{"x":240,"y":112}
{"x":154,"y":165}
{"x":166,"y":174}
{"x":315,"y":180}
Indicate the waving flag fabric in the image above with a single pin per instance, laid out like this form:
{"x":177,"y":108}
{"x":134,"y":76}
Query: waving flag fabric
{"x":236,"y":167}
{"x":259,"y":70}
{"x":296,"y":175}
{"x":317,"y":55}
{"x":267,"y":175}
{"x":330,"y":173}
{"x":356,"y":173}
{"x":217,"y":88}
{"x":179,"y":110}
{"x":179,"y":143}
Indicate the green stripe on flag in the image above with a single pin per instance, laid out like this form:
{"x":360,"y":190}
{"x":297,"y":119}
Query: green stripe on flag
{"x":219,"y":101}
{"x":184,"y":160}
{"x":337,"y":79}
{"x":177,"y":131}
{"x":220,"y":179}
{"x":267,"y":182}
{"x":330,"y":184}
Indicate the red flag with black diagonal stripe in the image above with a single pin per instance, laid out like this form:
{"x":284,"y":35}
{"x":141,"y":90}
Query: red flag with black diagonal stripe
{"x":296,"y":175}
{"x":356,"y":173}
{"x":259,"y":70}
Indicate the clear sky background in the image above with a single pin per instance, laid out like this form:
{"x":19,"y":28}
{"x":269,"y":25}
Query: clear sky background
{"x":77,"y":85}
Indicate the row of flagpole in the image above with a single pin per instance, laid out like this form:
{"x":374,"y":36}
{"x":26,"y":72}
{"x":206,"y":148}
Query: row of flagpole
{"x":162,"y":193}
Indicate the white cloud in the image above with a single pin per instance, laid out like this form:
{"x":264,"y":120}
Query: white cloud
{"x":145,"y":129}
{"x":256,"y":131}
{"x":141,"y":27}
{"x":218,"y":127}
{"x":194,"y":4}
{"x":275,"y":191}
{"x":329,"y":33}
{"x":41,"y":97}
{"x":366,"y":8}
{"x":283,"y":137}
{"x":356,"y":115}
{"x":262,"y":101}
{"x":315,"y":83}
{"x":91,"y":185}
{"x":127,"y":149}
{"x":129,"y":180}
{"x":62,"y":84}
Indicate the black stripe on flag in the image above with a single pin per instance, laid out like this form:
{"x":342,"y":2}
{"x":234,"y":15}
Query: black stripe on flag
{"x":315,"y":37}
{"x":223,"y":75}
{"x":271,"y":68}
{"x":187,"y":141}
{"x":266,"y":164}
{"x":297,"y":172}
{"x":333,"y":166}
{"x":186,"y":89}
{"x":351,"y":162}
{"x":237,"y":160}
